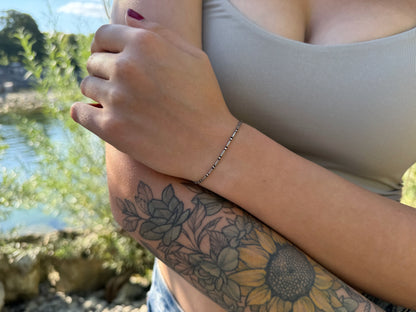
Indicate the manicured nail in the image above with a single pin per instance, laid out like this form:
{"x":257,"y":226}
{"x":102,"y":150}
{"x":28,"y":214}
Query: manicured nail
{"x":97,"y":105}
{"x":134,"y":14}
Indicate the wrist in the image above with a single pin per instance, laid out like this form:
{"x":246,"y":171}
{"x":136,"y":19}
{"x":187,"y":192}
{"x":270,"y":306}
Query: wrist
{"x":229,"y":170}
{"x":247,"y":165}
{"x":214,"y":142}
{"x":221,"y":155}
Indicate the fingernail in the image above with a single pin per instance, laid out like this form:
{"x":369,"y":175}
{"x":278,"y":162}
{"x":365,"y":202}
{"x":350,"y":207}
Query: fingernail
{"x":97,"y":105}
{"x":134,"y":14}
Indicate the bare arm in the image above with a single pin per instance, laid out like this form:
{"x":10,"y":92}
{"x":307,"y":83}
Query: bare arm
{"x":228,"y":255}
{"x":312,"y":221}
{"x":124,"y":174}
{"x":367,"y":240}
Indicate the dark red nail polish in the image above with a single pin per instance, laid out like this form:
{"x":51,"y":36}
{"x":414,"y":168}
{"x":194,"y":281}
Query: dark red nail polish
{"x":134,"y":14}
{"x":97,"y":105}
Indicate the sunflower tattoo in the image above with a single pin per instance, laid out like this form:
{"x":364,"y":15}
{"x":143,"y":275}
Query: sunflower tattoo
{"x":278,"y":277}
{"x":231,"y":257}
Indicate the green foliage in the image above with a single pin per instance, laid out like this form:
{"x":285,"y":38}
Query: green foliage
{"x":9,"y":46}
{"x":3,"y":58}
{"x":409,"y":189}
{"x":60,"y":72}
{"x":69,"y":179}
{"x":118,"y":251}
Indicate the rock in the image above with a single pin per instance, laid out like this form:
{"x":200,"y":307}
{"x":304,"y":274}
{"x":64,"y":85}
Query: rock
{"x":20,"y":276}
{"x":143,"y":308}
{"x":80,"y":275}
{"x":129,"y":293}
{"x":51,"y":301}
{"x":133,"y":290}
{"x":2,"y":296}
{"x":114,"y":285}
{"x":26,"y":263}
{"x":61,"y":271}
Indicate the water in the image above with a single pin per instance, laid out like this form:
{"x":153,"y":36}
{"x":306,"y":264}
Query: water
{"x":21,"y":158}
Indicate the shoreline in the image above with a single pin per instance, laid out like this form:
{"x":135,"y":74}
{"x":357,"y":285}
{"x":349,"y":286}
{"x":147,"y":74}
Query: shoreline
{"x":100,"y":270}
{"x":26,"y":100}
{"x":52,"y":301}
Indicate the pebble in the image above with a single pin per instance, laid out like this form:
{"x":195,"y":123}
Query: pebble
{"x":50,"y":301}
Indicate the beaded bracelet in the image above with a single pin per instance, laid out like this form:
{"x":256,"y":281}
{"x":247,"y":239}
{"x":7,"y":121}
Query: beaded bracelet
{"x":221,"y":155}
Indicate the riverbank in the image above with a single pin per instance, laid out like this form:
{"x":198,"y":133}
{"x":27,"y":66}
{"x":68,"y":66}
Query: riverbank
{"x":100,"y":270}
{"x":52,"y":301}
{"x":24,"y":100}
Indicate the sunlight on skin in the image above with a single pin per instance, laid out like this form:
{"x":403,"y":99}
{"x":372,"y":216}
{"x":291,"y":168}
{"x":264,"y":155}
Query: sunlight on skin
{"x":230,"y":256}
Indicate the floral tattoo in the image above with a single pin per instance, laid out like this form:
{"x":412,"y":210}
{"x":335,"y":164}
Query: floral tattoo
{"x":233,"y":258}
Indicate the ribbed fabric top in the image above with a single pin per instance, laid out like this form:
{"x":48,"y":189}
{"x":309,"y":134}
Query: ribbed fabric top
{"x":350,"y":108}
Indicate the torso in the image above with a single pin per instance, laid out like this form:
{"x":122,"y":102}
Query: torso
{"x":321,"y":22}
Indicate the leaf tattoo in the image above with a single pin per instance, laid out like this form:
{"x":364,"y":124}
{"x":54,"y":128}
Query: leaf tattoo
{"x":233,"y":258}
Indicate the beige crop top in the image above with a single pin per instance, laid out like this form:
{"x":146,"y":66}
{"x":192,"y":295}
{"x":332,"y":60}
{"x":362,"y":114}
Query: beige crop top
{"x":350,"y":108}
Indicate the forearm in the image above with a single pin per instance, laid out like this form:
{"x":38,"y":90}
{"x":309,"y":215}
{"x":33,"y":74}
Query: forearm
{"x":343,"y":227}
{"x":366,"y":239}
{"x":225,"y":253}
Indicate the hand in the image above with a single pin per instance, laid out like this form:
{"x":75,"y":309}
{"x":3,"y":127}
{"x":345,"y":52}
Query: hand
{"x":159,"y":99}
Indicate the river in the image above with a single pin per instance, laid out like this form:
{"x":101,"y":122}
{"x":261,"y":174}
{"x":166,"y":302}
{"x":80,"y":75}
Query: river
{"x":20,"y":157}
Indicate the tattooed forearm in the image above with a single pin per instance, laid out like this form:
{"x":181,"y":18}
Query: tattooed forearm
{"x":232,"y":257}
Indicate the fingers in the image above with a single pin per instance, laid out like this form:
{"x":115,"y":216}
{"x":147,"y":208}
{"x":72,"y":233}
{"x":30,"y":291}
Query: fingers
{"x":88,"y":116}
{"x":114,"y":38}
{"x":101,"y":64}
{"x":110,"y":38}
{"x":95,"y":88}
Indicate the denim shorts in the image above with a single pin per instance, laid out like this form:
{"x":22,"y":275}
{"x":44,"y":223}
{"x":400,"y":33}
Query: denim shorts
{"x":159,"y":298}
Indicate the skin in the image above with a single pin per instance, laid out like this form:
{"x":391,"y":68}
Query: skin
{"x":366,"y":217}
{"x":227,"y":254}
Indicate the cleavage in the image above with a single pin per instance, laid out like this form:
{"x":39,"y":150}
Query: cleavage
{"x":328,"y":22}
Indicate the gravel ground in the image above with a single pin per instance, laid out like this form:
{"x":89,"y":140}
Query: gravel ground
{"x":51,"y":301}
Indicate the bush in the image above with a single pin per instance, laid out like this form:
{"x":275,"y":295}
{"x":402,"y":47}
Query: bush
{"x":70,"y":176}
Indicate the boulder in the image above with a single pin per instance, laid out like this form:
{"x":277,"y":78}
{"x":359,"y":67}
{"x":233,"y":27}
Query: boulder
{"x":20,"y":276}
{"x":79,"y":275}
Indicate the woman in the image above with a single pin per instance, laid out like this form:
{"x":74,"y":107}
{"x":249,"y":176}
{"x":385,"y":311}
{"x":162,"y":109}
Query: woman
{"x":332,"y":81}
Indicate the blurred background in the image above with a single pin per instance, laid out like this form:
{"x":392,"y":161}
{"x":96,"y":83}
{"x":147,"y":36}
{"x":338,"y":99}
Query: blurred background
{"x":43,"y":49}
{"x":58,"y":242}
{"x":60,"y":249}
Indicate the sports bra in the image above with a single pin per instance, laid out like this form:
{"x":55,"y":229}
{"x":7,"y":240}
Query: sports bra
{"x":350,"y":108}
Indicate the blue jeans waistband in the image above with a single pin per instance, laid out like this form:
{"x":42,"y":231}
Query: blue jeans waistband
{"x":159,"y":298}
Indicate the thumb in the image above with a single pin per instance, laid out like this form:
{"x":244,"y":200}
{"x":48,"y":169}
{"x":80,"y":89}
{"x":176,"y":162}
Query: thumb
{"x":88,"y":116}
